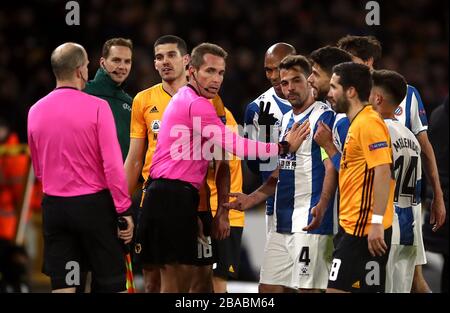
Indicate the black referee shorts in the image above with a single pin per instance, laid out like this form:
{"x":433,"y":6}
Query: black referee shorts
{"x":205,"y":252}
{"x":167,"y":230}
{"x":80,"y":234}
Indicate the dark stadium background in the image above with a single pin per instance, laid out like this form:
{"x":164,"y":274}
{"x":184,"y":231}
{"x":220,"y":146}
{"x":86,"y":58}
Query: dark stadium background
{"x":414,"y":34}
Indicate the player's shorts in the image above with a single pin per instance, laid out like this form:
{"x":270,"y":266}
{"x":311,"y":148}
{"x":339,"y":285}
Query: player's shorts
{"x":228,"y":252}
{"x":270,"y":223}
{"x":80,"y":234}
{"x":205,"y":252}
{"x":297,"y":260}
{"x":354,"y":269}
{"x":168,"y":228}
{"x":421,"y":257}
{"x":400,"y":268}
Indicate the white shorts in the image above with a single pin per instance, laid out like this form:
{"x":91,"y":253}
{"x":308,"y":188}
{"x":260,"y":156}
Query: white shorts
{"x":297,"y":260}
{"x":400,"y":268}
{"x":421,"y":258}
{"x":270,"y":224}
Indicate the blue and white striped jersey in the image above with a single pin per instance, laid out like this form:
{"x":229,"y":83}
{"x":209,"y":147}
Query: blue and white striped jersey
{"x":278,"y":107}
{"x":340,"y":130}
{"x":408,"y":175}
{"x":301,"y":176}
{"x":411,"y":111}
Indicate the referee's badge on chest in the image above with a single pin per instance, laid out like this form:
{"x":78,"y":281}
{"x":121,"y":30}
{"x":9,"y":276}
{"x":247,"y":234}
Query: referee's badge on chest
{"x":155,"y":125}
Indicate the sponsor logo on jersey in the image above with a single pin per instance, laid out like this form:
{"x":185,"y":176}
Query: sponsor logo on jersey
{"x":155,"y":125}
{"x":286,"y":164}
{"x":154,"y":110}
{"x":126,"y":106}
{"x":304,"y":271}
{"x":378,"y":145}
{"x":398,"y":111}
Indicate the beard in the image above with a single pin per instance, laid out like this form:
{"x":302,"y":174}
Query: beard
{"x":298,"y":101}
{"x":321,"y":95}
{"x":342,"y":105}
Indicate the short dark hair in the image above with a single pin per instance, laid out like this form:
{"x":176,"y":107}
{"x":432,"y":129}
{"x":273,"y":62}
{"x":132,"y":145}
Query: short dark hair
{"x":355,"y":75}
{"x":204,"y":48}
{"x":291,"y":61}
{"x":363,"y":47}
{"x":181,"y":44}
{"x":115,"y":42}
{"x":392,"y":83}
{"x":66,"y":58}
{"x":328,"y":56}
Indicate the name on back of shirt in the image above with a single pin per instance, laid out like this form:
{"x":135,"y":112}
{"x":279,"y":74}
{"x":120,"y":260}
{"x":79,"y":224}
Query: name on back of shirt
{"x":405,"y":143}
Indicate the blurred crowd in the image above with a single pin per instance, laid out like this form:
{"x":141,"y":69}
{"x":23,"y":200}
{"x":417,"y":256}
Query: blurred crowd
{"x":414,"y":35}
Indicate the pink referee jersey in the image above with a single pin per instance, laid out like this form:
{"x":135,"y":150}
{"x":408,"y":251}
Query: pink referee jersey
{"x":74,"y":147}
{"x":189,"y":122}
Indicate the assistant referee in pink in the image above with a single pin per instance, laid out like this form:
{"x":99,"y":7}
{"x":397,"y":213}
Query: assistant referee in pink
{"x":76,"y":155}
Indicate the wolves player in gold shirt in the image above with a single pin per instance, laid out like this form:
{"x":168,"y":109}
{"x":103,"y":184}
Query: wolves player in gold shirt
{"x":366,"y":187}
{"x":171,"y":58}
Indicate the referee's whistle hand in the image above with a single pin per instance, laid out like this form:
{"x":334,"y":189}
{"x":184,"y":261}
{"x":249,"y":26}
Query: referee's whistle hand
{"x":127,"y":234}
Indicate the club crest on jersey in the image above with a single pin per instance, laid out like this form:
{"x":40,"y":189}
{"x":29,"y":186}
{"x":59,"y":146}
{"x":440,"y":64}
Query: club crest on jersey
{"x":378,"y":145}
{"x":155,"y":125}
{"x":398,"y":111}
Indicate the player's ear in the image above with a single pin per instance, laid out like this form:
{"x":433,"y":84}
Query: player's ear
{"x":102,"y":62}
{"x":369,"y":62}
{"x":191,"y":70}
{"x":186,"y":59}
{"x":350,"y":92}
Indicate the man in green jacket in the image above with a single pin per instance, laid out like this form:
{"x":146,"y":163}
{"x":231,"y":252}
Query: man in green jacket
{"x":115,"y":66}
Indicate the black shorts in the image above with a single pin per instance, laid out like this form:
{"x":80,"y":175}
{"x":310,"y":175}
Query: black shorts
{"x":354,"y":269}
{"x":80,"y":234}
{"x":227,"y":253}
{"x":205,"y":252}
{"x":167,"y":230}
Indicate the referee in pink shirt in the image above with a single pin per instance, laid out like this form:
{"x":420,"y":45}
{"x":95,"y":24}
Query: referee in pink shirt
{"x":168,"y":229}
{"x":76,"y":155}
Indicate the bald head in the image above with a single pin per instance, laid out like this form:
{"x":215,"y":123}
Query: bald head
{"x":272,"y":60}
{"x":66,"y":58}
{"x":281,"y":49}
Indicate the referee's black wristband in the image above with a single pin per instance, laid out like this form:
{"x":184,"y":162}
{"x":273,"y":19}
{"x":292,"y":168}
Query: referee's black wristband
{"x":127,"y":212}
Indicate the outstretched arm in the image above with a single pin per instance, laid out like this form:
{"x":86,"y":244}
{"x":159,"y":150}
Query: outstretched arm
{"x":244,"y":202}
